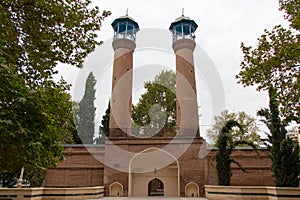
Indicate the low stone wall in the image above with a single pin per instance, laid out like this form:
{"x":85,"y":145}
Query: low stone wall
{"x":213,"y":192}
{"x":22,"y":193}
{"x":51,"y":193}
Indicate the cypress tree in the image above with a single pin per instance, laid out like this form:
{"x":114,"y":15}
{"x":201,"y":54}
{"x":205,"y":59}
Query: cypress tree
{"x":284,"y":155}
{"x":105,"y":121}
{"x":104,"y":127}
{"x":85,"y":116}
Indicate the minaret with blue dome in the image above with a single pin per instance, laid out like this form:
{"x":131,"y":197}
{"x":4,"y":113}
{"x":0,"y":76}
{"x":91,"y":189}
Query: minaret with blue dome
{"x":183,"y":31}
{"x":125,"y":29}
{"x":183,"y":28}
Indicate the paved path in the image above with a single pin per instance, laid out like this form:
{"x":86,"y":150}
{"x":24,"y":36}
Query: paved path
{"x":153,"y":198}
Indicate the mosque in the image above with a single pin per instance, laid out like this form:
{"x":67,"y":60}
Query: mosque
{"x":154,"y":166}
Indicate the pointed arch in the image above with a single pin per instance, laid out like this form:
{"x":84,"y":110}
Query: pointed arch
{"x":152,"y":163}
{"x":116,"y":189}
{"x":155,"y":187}
{"x":192,"y":190}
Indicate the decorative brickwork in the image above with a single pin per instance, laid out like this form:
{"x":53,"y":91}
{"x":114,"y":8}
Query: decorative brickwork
{"x":186,"y":95}
{"x":80,"y":168}
{"x":120,"y":116}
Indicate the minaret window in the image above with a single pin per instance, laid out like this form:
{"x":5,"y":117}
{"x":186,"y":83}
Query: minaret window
{"x":183,"y":28}
{"x":125,"y":27}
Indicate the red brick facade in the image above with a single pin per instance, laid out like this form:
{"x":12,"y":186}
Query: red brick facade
{"x":120,"y":103}
{"x":82,"y":168}
{"x":79,"y":168}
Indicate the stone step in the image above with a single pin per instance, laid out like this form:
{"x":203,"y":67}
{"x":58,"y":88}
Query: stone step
{"x":152,"y":198}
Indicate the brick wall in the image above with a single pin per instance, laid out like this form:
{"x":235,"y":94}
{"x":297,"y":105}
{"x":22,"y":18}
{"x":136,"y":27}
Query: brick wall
{"x":82,"y":168}
{"x":258,"y":167}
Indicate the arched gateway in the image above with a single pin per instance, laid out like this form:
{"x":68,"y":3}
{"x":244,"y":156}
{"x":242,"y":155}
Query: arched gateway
{"x":154,"y":172}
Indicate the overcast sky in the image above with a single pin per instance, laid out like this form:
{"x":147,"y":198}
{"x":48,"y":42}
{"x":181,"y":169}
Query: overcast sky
{"x":222,"y":26}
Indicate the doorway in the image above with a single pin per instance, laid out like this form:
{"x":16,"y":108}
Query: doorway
{"x":155,"y":188}
{"x":116,"y":190}
{"x":192,"y":190}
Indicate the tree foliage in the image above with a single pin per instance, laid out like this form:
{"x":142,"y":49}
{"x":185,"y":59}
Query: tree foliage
{"x":292,"y":11}
{"x":105,"y":121}
{"x":289,"y":169}
{"x":37,"y":34}
{"x":104,"y":127}
{"x":226,"y":146}
{"x":156,"y":109}
{"x":275,"y":62}
{"x":75,"y":135}
{"x":32,"y":122}
{"x":274,"y":66}
{"x":246,"y":121}
{"x":284,"y":155}
{"x":85,"y":115}
{"x":36,"y":112}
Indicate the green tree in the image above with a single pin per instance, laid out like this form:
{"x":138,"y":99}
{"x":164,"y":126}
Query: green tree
{"x":34,"y":123}
{"x":276,"y":62}
{"x":226,"y":146}
{"x":292,"y":11}
{"x":104,"y":127}
{"x":289,"y":171}
{"x":35,"y":35}
{"x":274,"y":66}
{"x":75,"y":135}
{"x":246,"y":121}
{"x":285,"y":160}
{"x":155,"y":112}
{"x":105,"y":121}
{"x":85,"y":116}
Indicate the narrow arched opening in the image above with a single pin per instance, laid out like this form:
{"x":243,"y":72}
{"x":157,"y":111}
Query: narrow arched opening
{"x":116,"y":190}
{"x":192,"y":190}
{"x":155,"y":187}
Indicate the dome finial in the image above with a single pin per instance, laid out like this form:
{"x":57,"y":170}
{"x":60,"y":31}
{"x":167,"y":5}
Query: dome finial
{"x":182,"y":12}
{"x":127,"y":12}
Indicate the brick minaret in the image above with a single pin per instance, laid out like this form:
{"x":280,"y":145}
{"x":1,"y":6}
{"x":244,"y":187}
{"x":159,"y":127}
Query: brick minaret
{"x":125,"y":29}
{"x":183,"y":45}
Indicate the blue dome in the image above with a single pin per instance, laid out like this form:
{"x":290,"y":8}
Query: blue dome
{"x":125,"y":27}
{"x":183,"y":27}
{"x":125,"y":19}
